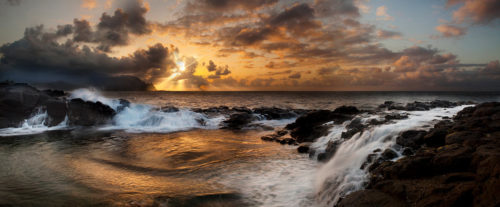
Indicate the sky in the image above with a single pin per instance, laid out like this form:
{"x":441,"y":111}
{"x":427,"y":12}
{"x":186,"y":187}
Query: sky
{"x":233,"y":45}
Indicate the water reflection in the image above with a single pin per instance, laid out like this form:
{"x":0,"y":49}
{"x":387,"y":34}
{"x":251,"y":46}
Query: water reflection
{"x":82,"y":168}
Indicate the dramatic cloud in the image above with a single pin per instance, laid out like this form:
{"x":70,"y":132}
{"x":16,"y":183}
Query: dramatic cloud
{"x":38,"y":57}
{"x":476,"y":11}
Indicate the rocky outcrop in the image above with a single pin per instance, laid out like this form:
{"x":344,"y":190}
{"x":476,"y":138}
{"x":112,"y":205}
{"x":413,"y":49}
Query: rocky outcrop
{"x":86,"y":113}
{"x":20,"y":101}
{"x":418,"y":106}
{"x":310,"y":126}
{"x":238,"y":120}
{"x":454,"y":164}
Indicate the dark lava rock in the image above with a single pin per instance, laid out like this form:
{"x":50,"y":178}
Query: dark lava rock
{"x":57,"y":110}
{"x":123,"y":104}
{"x":86,"y":113}
{"x":310,"y":126}
{"x":304,"y":147}
{"x":346,"y":110}
{"x":169,"y":109}
{"x":370,"y":198}
{"x":54,"y":93}
{"x":18,"y":102}
{"x":275,"y":113}
{"x":330,"y":150}
{"x":407,"y":152}
{"x":352,"y":128}
{"x":238,"y":120}
{"x":411,"y":138}
{"x":459,"y":165}
{"x":242,"y":109}
{"x":395,"y":116}
{"x":389,"y":154}
{"x":287,"y":140}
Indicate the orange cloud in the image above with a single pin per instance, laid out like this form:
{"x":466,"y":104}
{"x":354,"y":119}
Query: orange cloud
{"x":89,"y":4}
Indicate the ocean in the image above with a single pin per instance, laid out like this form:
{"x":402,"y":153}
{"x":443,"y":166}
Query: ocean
{"x":147,"y":157}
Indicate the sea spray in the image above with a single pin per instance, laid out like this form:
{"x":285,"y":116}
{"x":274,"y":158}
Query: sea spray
{"x":34,"y":125}
{"x":342,"y":174}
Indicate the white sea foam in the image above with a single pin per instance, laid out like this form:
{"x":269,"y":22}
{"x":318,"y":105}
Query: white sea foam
{"x":342,"y":175}
{"x":34,"y":125}
{"x":144,"y":118}
{"x":94,"y":96}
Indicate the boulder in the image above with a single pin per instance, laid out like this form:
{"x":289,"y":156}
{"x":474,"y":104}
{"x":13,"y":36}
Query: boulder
{"x":56,"y":110}
{"x":411,"y":138}
{"x":370,"y":198}
{"x":238,"y":120}
{"x":86,"y":113}
{"x":304,"y":147}
{"x":310,"y":126}
{"x":18,"y":102}
{"x":275,"y":113}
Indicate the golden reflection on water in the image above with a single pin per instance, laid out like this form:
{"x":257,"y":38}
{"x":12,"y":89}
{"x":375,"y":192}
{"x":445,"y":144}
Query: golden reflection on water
{"x":141,"y":167}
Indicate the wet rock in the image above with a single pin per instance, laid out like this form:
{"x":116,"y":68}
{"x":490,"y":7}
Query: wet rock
{"x":288,"y":140}
{"x":238,"y":120}
{"x":435,"y":137}
{"x":18,"y":102}
{"x":370,"y":198}
{"x":346,"y":110}
{"x":411,"y":138}
{"x":352,"y":128}
{"x":407,"y":152}
{"x":169,"y":109}
{"x":395,"y":116}
{"x":304,"y":147}
{"x":274,"y":113}
{"x":242,"y":109}
{"x":54,"y":93}
{"x":310,"y":126}
{"x":86,"y":113}
{"x":389,"y":154}
{"x":330,"y":150}
{"x":56,"y":110}
{"x":123,"y":104}
{"x":268,"y":138}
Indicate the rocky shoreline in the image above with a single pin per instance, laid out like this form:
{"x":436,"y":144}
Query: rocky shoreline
{"x":455,"y":163}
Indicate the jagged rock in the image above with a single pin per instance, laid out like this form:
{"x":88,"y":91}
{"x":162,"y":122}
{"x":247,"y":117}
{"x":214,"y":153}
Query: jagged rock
{"x":86,"y":113}
{"x":17,"y":102}
{"x":330,"y":150}
{"x":310,"y":126}
{"x":411,"y":138}
{"x":169,"y":109}
{"x":304,"y":147}
{"x":370,"y":198}
{"x":395,"y":116}
{"x":123,"y":104}
{"x":274,"y":113}
{"x":352,"y":128}
{"x":57,"y":110}
{"x":238,"y":120}
{"x":242,"y":109}
{"x":388,"y":154}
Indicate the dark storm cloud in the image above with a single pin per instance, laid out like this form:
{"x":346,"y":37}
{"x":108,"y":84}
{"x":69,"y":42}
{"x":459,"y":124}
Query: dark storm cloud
{"x":219,"y":70}
{"x":39,"y":53}
{"x":211,"y":66}
{"x":83,"y":31}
